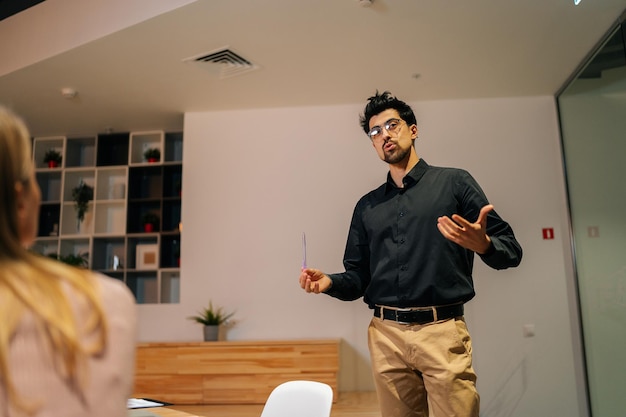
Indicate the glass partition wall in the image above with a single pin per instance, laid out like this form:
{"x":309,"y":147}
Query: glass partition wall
{"x":592,"y":111}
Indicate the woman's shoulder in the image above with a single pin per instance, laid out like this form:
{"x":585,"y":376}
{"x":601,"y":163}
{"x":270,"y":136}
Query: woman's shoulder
{"x":114,"y":292}
{"x":112,"y":285}
{"x":118,"y":303}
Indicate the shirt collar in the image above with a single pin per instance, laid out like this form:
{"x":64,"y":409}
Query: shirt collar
{"x":410,"y":179}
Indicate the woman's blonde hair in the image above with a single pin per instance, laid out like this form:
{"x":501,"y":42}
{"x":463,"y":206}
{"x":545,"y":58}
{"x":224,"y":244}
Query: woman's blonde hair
{"x":32,"y":284}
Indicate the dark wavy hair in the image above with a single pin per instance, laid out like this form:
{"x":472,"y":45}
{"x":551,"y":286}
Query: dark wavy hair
{"x":378,"y":103}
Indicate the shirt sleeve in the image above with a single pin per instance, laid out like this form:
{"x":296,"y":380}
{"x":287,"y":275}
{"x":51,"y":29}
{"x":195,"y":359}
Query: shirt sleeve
{"x":351,"y":284}
{"x":505,"y":251}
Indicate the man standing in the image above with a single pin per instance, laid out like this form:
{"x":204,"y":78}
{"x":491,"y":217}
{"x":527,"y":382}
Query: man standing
{"x":409,"y":254}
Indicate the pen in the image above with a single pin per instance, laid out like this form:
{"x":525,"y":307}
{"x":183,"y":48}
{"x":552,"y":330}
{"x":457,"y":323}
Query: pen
{"x":303,"y":250}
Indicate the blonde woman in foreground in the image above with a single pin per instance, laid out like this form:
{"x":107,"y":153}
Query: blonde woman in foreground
{"x":67,"y":336}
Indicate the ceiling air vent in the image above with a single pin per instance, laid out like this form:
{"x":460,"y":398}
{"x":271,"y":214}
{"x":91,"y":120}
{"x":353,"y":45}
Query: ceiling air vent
{"x":223,"y":62}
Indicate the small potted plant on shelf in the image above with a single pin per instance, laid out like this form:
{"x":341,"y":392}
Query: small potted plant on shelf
{"x":152,"y":154}
{"x":79,"y":260}
{"x":211,"y":318}
{"x":82,"y":194}
{"x":53,"y":158}
{"x":150,"y":222}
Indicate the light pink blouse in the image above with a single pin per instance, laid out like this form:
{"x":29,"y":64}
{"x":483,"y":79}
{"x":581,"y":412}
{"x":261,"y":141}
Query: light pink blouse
{"x":109,"y":376}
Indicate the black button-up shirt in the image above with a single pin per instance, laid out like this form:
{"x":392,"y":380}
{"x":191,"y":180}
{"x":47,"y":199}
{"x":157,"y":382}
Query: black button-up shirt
{"x":396,"y":256}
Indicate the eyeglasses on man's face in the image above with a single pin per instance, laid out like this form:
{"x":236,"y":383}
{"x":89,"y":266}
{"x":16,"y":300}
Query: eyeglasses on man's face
{"x":392,"y":126}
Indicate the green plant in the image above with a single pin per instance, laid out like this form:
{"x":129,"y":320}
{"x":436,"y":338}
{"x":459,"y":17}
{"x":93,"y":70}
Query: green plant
{"x":79,"y":260}
{"x":52,"y":155}
{"x":152,"y":153}
{"x":210,"y":316}
{"x":82,"y":194}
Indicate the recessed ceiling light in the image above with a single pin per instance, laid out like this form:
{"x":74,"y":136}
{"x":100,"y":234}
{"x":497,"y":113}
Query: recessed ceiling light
{"x":577,"y":2}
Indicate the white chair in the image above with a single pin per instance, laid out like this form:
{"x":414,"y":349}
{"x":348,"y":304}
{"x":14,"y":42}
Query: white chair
{"x":299,"y":399}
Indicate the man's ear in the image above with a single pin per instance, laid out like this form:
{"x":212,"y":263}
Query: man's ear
{"x":414,"y":131}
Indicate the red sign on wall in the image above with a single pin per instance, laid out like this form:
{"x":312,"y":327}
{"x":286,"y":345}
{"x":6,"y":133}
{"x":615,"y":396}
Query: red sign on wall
{"x":548,"y":233}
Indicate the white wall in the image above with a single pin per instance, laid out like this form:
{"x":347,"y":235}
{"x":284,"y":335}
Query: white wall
{"x":254,"y":180}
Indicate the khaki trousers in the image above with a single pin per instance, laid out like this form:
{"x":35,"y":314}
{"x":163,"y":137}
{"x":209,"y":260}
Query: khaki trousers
{"x":423,"y":368}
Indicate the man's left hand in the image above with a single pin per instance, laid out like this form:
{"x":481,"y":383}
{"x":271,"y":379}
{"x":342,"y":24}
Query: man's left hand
{"x":472,"y":236}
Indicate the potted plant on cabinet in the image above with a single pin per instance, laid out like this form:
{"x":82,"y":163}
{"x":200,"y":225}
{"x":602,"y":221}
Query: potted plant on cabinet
{"x":211,"y":318}
{"x":152,"y":154}
{"x":53,"y":158}
{"x":150,"y":222}
{"x":82,"y":194}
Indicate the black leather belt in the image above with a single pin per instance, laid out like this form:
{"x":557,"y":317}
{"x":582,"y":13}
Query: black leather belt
{"x":419,"y":316}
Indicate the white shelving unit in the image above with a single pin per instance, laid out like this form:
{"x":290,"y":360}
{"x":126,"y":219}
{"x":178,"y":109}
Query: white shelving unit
{"x":126,"y":186}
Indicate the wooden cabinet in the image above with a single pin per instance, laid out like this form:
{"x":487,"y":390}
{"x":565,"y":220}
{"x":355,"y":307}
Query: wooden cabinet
{"x":126,"y":187}
{"x":231,"y":372}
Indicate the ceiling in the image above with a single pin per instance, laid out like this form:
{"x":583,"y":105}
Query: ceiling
{"x":307,"y":53}
{"x":11,"y":7}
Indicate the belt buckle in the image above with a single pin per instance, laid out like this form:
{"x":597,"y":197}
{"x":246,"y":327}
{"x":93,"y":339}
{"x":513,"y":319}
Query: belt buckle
{"x":425,"y":309}
{"x":403,"y":310}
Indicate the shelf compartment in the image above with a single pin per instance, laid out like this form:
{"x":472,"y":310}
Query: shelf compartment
{"x":42,"y":145}
{"x":111,"y":183}
{"x":80,"y":152}
{"x":170,"y":221}
{"x":110,"y":217}
{"x":144,"y":286}
{"x":49,"y":182}
{"x":75,"y":246}
{"x":172,"y":181}
{"x":170,"y":251}
{"x":112,"y":149}
{"x":145,"y":182}
{"x":170,"y":287}
{"x":49,"y":216}
{"x":131,"y":248}
{"x":72,"y":179}
{"x":109,"y":255}
{"x":173,"y":147}
{"x":69,"y":221}
{"x":141,"y":142}
{"x":136,"y":211}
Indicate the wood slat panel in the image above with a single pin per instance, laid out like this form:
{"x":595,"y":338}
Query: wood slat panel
{"x":225,"y":359}
{"x":175,"y":389}
{"x":253,"y":389}
{"x":230,"y":372}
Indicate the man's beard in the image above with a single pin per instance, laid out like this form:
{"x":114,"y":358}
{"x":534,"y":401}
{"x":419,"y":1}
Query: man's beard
{"x":397,"y":155}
